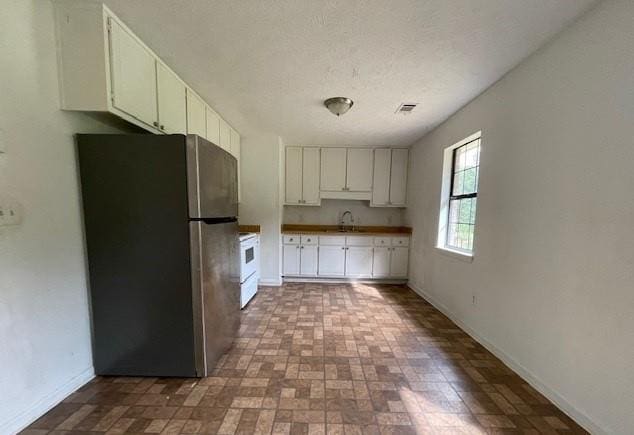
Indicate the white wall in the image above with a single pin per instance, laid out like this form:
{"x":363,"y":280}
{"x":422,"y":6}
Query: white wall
{"x":553,"y":273}
{"x":260,"y":167}
{"x":44,"y":321}
{"x":330,"y":211}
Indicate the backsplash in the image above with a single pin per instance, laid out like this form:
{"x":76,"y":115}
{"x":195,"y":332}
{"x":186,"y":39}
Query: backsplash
{"x":330,"y":211}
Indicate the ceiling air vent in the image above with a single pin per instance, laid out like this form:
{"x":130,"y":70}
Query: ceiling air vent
{"x":406,"y":108}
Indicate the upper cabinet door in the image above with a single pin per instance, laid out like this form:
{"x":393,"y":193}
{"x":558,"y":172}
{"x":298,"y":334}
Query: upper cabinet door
{"x":398,"y":177}
{"x":359,"y":170}
{"x":310,"y":176}
{"x":234,"y":143}
{"x":213,"y":126}
{"x":196,"y":123}
{"x":333,"y":169}
{"x":225,"y":135}
{"x":293,"y":177}
{"x":381,"y":177}
{"x":133,"y":76}
{"x":172,"y":107}
{"x":235,"y":151}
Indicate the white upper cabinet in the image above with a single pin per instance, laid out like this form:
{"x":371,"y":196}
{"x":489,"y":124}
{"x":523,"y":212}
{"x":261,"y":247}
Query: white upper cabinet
{"x":235,"y":141}
{"x":225,"y":135}
{"x":172,"y":108}
{"x":293,"y":176}
{"x":333,"y":169}
{"x":346,"y":173}
{"x":381,"y":183}
{"x":105,"y":67}
{"x":310,"y":176}
{"x":389,"y":186}
{"x":302,"y":176}
{"x":213,"y":125}
{"x":398,"y":177}
{"x":196,"y":118}
{"x":359,"y":170}
{"x":133,"y":75}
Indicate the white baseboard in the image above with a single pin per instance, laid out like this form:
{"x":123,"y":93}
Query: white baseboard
{"x":344,"y":280}
{"x":561,"y":402}
{"x":270,"y":282}
{"x":44,"y":404}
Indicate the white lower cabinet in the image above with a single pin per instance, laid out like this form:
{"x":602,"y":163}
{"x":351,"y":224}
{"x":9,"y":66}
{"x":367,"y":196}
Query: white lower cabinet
{"x":290,"y":254}
{"x":399,"y":259}
{"x":381,"y":262}
{"x":345,"y":256}
{"x":308,"y":260}
{"x":332,"y":261}
{"x":358,"y":261}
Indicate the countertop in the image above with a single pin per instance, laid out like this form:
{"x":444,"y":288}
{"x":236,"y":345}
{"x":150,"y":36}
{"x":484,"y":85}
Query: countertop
{"x":249,"y":228}
{"x":333,"y":230}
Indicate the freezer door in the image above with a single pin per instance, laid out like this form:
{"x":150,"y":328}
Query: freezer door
{"x":212,"y":180}
{"x":216,"y":287}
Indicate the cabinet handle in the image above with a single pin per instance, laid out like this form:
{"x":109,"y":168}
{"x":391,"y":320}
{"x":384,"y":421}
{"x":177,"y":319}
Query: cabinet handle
{"x":301,"y":247}
{"x":155,"y":123}
{"x":162,"y":127}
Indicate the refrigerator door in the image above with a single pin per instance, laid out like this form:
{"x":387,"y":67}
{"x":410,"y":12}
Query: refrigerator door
{"x":212,"y":180}
{"x":216,"y":290}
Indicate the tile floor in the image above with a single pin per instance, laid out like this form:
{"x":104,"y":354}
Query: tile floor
{"x":316,"y":359}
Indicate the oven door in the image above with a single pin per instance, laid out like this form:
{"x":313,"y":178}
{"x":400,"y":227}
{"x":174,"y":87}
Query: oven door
{"x":248,"y":258}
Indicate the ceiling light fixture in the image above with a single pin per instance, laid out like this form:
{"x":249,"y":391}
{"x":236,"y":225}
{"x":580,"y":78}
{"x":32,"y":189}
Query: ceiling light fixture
{"x":338,"y":105}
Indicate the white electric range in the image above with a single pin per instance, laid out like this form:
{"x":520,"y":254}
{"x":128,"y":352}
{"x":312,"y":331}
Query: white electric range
{"x":249,"y":266}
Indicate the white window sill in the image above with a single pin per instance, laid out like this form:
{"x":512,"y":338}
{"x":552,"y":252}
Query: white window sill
{"x":452,"y":253}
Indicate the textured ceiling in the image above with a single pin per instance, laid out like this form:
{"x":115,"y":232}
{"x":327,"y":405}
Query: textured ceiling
{"x":272,"y":63}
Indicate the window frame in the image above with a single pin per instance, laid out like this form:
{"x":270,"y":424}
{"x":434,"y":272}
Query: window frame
{"x":449,"y":165}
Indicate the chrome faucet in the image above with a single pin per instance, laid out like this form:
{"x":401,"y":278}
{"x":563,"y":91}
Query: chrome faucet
{"x":342,"y":226}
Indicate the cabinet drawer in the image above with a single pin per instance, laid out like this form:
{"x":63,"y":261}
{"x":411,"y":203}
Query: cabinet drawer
{"x":332,"y":240}
{"x":291,"y":239}
{"x":400,"y":241}
{"x":309,"y":240}
{"x":358,"y":241}
{"x":381,"y":241}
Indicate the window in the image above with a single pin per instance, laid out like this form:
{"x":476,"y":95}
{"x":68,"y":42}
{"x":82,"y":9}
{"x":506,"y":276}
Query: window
{"x":460,"y":195}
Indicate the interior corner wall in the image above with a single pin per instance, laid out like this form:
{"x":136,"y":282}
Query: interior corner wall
{"x":553,"y":270}
{"x":45,"y":348}
{"x":261,"y":205}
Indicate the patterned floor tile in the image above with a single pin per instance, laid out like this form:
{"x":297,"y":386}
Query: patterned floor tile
{"x":325,"y":359}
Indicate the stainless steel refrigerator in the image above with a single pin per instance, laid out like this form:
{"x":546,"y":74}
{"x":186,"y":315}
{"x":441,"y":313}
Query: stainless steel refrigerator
{"x":163,"y":252}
